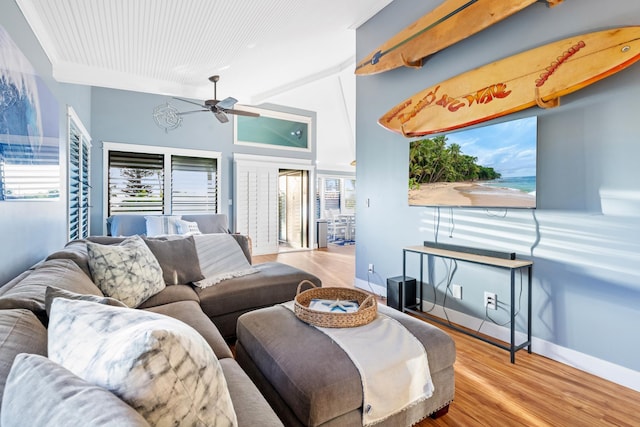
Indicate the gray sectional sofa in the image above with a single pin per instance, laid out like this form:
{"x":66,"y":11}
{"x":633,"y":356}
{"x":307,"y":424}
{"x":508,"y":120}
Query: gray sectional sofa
{"x":211,"y":311}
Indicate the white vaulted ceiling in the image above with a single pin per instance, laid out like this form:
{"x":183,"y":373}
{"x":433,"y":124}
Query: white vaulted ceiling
{"x":298,"y":53}
{"x":258,"y":47}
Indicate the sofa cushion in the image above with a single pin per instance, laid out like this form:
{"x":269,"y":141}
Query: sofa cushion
{"x":47,"y":394}
{"x":127,"y":271}
{"x":178,"y":259}
{"x":20,"y":332}
{"x":190,"y":313}
{"x":160,"y":366}
{"x":52,"y":293}
{"x":105,"y":240}
{"x":251,"y":407}
{"x":29,"y":292}
{"x":273,"y":283}
{"x":209,"y":223}
{"x":76,"y":251}
{"x":171,"y":294}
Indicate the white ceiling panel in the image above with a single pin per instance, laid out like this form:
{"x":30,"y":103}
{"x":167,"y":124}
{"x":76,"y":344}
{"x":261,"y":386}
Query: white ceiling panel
{"x":171,"y":47}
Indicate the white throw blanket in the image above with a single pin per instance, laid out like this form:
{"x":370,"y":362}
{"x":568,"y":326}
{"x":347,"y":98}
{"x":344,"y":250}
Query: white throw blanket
{"x":392,"y":363}
{"x":220,"y":258}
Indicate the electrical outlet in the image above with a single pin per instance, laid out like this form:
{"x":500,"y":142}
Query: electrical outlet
{"x":491,"y":300}
{"x":370,"y":268}
{"x":457,"y":291}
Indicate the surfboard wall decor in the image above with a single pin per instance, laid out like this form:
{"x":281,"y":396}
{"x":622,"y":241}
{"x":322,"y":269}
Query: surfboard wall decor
{"x":449,"y":23}
{"x":536,"y":77}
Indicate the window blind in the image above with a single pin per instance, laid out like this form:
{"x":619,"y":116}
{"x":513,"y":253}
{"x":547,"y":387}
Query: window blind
{"x":136,"y":183}
{"x":194,"y":186}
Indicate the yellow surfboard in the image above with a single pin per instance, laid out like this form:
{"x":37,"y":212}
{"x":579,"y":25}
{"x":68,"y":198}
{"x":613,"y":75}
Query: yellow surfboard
{"x":449,"y":23}
{"x":536,"y":77}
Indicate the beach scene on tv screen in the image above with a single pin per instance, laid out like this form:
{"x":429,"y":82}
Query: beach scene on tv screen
{"x":492,"y":166}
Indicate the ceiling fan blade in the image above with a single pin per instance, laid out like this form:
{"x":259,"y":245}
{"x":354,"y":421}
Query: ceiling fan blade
{"x":242,"y":113}
{"x":191,"y":112}
{"x":227,"y":103}
{"x":221,"y":116}
{"x":190,"y":102}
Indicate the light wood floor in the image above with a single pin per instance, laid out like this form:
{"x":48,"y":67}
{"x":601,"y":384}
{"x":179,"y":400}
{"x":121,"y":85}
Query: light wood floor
{"x":490,"y":391}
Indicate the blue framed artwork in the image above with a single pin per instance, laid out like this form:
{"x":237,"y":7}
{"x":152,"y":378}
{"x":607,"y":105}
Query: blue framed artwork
{"x":29,"y":129}
{"x":273,"y":129}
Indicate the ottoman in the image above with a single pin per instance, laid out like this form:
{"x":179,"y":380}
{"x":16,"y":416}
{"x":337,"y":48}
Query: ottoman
{"x":310,"y":381}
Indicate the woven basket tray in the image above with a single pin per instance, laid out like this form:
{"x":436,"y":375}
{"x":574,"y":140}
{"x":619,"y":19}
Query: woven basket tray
{"x":367,"y":311}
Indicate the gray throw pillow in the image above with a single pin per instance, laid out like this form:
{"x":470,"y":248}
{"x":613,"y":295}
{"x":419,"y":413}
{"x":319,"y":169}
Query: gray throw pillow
{"x":128,"y":272}
{"x":160,"y":366}
{"x":178,"y":259}
{"x":42,"y":393}
{"x":51,"y":293}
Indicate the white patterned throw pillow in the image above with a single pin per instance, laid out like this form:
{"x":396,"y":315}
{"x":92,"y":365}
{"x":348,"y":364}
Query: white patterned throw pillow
{"x":128,"y":272}
{"x":187,"y":227}
{"x":162,"y":225}
{"x":160,"y":366}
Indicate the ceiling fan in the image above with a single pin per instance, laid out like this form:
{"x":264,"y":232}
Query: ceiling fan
{"x":219,"y":108}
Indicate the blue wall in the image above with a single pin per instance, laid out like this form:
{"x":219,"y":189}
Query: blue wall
{"x":583,"y":238}
{"x":126,"y":117}
{"x":31,"y":230}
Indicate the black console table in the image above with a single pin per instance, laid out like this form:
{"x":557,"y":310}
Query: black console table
{"x":506,"y":264}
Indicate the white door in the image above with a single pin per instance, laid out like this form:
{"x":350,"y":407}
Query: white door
{"x":256,"y":198}
{"x":257,"y":206}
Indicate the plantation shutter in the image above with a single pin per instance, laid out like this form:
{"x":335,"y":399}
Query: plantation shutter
{"x":79,"y":186}
{"x":136,"y":183}
{"x":194,"y":184}
{"x":256,"y":205}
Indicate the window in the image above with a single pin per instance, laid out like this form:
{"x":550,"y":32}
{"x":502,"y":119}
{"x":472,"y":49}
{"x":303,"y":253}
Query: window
{"x":136,"y":183}
{"x":156,"y":180}
{"x":349,"y":195}
{"x":79,"y":148}
{"x":193,"y":184}
{"x":335,"y":195}
{"x":29,"y":171}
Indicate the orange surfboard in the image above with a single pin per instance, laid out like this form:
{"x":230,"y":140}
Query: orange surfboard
{"x":450,"y":22}
{"x":536,"y":77}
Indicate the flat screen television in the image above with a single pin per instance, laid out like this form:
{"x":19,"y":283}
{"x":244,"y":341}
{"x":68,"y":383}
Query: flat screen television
{"x":486,"y":167}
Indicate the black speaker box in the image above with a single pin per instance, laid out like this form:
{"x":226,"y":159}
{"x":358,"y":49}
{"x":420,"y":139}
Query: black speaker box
{"x":396,"y":290}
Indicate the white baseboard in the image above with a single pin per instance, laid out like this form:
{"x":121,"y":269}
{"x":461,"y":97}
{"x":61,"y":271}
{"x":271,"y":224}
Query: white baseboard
{"x":609,"y":371}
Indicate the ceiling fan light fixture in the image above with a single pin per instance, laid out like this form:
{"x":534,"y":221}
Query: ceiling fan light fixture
{"x":220,"y":109}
